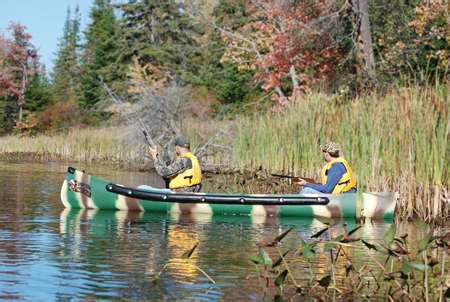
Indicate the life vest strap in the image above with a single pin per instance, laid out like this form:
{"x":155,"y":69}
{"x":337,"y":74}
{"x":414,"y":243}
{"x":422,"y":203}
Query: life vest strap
{"x":189,"y":177}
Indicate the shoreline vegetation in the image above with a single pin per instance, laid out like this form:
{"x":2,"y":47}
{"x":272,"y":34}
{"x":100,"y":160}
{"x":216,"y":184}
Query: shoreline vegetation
{"x":405,"y":269}
{"x":395,"y":141}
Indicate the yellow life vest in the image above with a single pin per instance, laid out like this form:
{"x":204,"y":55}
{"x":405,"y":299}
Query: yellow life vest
{"x":347,"y":181}
{"x":189,"y":177}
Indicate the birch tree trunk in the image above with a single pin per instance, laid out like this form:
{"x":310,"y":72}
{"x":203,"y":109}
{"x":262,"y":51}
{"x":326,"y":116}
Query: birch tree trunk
{"x":363,"y":39}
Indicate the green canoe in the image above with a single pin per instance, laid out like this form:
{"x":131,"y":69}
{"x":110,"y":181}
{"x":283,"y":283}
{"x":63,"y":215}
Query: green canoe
{"x":83,"y":191}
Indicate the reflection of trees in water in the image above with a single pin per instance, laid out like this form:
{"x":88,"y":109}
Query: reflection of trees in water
{"x":24,"y":194}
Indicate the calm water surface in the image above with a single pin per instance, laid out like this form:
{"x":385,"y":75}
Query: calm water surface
{"x":49,"y":253}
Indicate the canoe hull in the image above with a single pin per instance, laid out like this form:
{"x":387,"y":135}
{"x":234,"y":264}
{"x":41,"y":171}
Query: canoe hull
{"x":80,"y":190}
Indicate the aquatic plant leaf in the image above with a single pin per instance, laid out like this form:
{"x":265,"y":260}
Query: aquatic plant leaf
{"x":421,"y":225}
{"x":316,"y":235}
{"x":274,"y":241}
{"x":389,"y":235}
{"x":406,"y":268}
{"x":325,"y":281}
{"x":369,"y":245}
{"x":189,"y":253}
{"x":281,"y":236}
{"x":265,"y":257}
{"x":280,"y":259}
{"x":306,"y":250}
{"x":279,"y":281}
{"x":417,"y":265}
{"x":329,"y":246}
{"x":256,"y":259}
{"x":354,"y":230}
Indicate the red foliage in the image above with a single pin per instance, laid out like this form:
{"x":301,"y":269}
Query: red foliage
{"x":18,"y":63}
{"x":296,"y":42}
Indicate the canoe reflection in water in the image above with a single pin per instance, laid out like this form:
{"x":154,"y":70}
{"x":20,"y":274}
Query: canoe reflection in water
{"x":138,"y":245}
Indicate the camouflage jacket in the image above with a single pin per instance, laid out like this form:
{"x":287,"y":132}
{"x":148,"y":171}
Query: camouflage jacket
{"x":179,"y":165}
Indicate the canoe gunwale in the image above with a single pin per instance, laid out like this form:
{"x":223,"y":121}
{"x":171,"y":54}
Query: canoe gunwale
{"x":202,"y":198}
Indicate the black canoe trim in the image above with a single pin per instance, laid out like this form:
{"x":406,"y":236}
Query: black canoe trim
{"x":216,"y":198}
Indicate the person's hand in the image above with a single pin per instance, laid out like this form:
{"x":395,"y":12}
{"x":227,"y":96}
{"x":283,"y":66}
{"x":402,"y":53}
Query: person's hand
{"x":300,"y":182}
{"x":153,"y":152}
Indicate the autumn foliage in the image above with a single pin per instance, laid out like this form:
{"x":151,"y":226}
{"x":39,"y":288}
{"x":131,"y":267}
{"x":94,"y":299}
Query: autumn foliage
{"x":18,"y":63}
{"x":289,"y":49}
{"x":421,"y":46}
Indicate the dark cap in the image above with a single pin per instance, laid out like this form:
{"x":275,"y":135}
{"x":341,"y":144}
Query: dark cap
{"x":182,"y":142}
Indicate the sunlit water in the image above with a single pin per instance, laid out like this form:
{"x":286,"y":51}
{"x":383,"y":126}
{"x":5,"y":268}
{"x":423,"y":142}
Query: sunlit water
{"x":48,"y":253}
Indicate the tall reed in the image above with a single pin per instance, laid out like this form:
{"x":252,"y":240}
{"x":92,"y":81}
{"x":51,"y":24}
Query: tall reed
{"x":396,"y":141}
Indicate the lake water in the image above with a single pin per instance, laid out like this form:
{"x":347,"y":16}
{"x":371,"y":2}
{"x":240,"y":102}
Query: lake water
{"x":49,"y":253}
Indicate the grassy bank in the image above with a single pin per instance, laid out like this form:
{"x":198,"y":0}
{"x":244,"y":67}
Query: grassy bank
{"x":105,"y":144}
{"x":398,"y":141}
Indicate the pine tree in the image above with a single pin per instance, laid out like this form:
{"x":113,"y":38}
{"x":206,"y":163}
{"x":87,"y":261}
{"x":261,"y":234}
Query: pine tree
{"x":66,"y":72}
{"x":230,"y":84}
{"x":39,"y":94}
{"x":100,"y":54}
{"x":162,"y":34}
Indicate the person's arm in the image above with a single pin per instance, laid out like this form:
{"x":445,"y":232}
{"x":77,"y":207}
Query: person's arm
{"x":334,"y":175}
{"x":178,"y":166}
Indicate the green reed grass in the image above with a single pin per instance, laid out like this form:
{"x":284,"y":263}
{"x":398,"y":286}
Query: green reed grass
{"x":395,"y":141}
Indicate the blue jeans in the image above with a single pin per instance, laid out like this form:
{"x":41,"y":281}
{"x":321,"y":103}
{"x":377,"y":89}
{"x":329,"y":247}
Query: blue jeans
{"x":307,"y":190}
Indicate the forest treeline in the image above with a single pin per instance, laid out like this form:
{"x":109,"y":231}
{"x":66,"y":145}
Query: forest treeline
{"x":234,"y":52}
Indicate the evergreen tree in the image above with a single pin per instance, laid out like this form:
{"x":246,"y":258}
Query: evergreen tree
{"x":162,"y":34}
{"x":230,"y":84}
{"x":100,"y":54}
{"x":66,"y":71}
{"x":39,"y":94}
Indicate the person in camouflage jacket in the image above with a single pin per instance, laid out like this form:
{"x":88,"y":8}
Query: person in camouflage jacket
{"x":184,"y":173}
